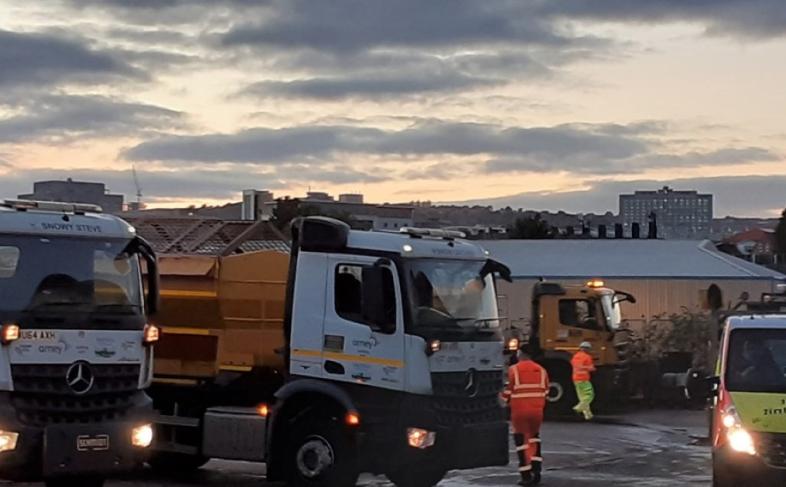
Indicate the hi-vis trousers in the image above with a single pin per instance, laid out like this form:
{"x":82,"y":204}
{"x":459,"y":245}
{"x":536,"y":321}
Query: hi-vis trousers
{"x":586,"y":394}
{"x":526,"y":436}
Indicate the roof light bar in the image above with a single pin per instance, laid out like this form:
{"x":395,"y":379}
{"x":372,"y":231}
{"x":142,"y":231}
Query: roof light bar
{"x":23,"y":205}
{"x":596,"y":283}
{"x":432,"y":232}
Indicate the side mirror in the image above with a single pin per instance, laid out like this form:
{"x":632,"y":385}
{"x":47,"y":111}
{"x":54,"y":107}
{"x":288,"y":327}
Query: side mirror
{"x":152,"y":300}
{"x":378,"y":299}
{"x":621,"y":297}
{"x":699,"y":386}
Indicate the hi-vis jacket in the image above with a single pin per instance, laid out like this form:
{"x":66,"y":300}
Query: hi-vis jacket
{"x":583,"y":366}
{"x":528,"y":383}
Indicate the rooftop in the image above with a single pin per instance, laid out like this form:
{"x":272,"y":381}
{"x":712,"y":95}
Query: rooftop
{"x":208,"y":236}
{"x":658,"y":259}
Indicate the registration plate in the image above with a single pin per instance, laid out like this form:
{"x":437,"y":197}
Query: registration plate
{"x":92,"y":443}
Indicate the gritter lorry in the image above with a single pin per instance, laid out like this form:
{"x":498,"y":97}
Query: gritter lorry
{"x":565,"y":316}
{"x":75,"y":347}
{"x":355,"y":352}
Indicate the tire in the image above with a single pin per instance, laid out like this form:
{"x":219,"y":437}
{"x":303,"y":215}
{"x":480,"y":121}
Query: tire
{"x":416,"y":477}
{"x":561,"y":396}
{"x":72,"y":481}
{"x":167,"y":463}
{"x":719,"y":480}
{"x":320,"y":453}
{"x":721,"y":476}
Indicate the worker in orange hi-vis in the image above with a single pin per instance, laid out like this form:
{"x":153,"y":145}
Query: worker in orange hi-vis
{"x":528,"y":383}
{"x":583,"y":367}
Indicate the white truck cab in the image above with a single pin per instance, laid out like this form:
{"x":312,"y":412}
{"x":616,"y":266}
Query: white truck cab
{"x":400,"y":332}
{"x":75,"y":353}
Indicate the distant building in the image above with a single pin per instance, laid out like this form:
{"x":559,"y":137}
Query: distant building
{"x":253,"y":200}
{"x":356,"y":199}
{"x":369,"y":216}
{"x":679,"y":214}
{"x":70,"y":191}
{"x":666,"y":276}
{"x":756,"y":245}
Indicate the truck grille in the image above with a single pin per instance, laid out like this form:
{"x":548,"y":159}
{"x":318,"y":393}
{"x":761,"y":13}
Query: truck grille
{"x":457,"y":404}
{"x":42,"y":396}
{"x":772,"y":448}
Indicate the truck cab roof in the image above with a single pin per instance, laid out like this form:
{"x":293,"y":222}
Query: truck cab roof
{"x":324,"y":234}
{"x":416,"y":246}
{"x":60,"y":219}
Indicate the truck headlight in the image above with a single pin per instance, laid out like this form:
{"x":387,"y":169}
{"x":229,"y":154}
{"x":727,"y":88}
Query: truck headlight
{"x":8,"y":440}
{"x":420,"y":438}
{"x":142,"y":436}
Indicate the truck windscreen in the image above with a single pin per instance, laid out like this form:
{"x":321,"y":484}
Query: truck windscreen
{"x":451,"y":295}
{"x":69,"y":282}
{"x":757,"y":361}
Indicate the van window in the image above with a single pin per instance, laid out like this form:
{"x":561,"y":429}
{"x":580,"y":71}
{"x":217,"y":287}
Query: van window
{"x":757,"y":361}
{"x":9,"y":259}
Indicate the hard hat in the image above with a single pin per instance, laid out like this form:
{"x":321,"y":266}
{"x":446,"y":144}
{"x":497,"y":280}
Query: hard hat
{"x":586,"y":345}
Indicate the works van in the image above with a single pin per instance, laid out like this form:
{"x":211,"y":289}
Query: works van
{"x":749,"y":414}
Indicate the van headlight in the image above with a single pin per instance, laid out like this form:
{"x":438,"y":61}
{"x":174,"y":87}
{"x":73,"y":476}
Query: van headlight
{"x":738,"y":437}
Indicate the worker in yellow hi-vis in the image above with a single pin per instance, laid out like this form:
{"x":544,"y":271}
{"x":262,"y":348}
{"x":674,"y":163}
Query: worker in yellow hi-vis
{"x":583,"y":367}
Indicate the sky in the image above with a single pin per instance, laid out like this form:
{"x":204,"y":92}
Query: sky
{"x":542,"y":104}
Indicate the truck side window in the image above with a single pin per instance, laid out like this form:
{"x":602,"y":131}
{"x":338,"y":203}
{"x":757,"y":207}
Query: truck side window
{"x":9,"y":259}
{"x":349,"y":293}
{"x":579,"y":313}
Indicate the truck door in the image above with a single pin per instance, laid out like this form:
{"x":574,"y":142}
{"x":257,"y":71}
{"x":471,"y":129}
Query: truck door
{"x":580,"y":320}
{"x":364,"y":331}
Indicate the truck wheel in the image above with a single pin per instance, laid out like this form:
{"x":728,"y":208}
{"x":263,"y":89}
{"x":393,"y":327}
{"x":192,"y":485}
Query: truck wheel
{"x":320,"y":454}
{"x":175,"y":463}
{"x":71,"y":481}
{"x":416,"y":477}
{"x":561,"y":396}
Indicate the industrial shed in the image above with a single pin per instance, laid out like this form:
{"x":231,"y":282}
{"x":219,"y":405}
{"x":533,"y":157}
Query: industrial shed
{"x":666,"y":276}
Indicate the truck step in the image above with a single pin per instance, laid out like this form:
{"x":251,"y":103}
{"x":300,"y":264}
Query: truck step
{"x":180,"y":421}
{"x":171,"y":447}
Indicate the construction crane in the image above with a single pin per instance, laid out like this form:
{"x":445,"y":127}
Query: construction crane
{"x":138,"y":188}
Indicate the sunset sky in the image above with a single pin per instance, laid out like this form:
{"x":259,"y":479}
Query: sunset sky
{"x":545,"y":104}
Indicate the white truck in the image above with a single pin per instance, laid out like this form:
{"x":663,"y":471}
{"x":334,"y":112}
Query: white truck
{"x":392,"y":360}
{"x":75,"y":353}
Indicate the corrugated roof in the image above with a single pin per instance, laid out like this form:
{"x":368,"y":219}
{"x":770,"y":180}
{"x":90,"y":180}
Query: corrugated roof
{"x":686,"y":259}
{"x":208,"y":236}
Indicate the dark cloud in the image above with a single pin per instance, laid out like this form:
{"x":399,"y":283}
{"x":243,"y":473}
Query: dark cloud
{"x":387,"y":75}
{"x":40,"y":59}
{"x":349,"y":25}
{"x":426,"y":138}
{"x":734,"y":195}
{"x":749,"y":18}
{"x":585,"y":164}
{"x":57,"y":117}
{"x":374,"y":87}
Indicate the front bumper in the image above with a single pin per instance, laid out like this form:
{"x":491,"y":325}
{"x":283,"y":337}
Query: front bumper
{"x":743,"y":469}
{"x":62,"y":450}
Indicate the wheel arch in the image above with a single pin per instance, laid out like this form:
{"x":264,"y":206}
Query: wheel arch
{"x":292,"y":400}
